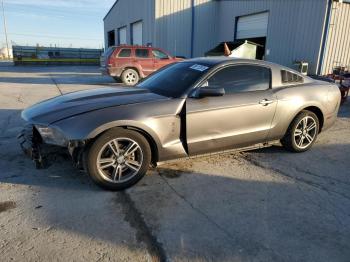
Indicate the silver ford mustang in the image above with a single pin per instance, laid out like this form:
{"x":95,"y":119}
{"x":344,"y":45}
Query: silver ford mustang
{"x":189,"y":108}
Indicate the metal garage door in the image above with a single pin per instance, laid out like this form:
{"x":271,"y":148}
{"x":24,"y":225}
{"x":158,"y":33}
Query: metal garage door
{"x":136,"y":29}
{"x":251,"y":26}
{"x":122,"y":35}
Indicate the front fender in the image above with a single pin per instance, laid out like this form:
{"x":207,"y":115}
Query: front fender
{"x":91,"y":124}
{"x":159,"y":120}
{"x":124,"y":123}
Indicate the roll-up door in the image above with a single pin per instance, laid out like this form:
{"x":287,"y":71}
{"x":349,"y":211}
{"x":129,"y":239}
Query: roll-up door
{"x":136,"y":29}
{"x":122,"y":35}
{"x":252,"y":26}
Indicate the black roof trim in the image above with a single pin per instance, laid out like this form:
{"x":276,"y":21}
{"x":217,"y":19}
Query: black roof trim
{"x":116,"y":1}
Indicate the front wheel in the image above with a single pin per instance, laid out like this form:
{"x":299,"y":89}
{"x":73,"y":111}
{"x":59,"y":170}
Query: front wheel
{"x":118,"y":159}
{"x":302,"y":132}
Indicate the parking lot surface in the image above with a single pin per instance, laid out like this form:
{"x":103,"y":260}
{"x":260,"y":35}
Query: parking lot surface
{"x":263,"y":205}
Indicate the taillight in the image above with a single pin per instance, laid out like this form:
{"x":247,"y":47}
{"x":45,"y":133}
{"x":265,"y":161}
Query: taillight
{"x":109,"y":61}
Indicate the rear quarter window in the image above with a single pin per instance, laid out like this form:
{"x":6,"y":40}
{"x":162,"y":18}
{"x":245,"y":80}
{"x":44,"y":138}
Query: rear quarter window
{"x":288,"y":77}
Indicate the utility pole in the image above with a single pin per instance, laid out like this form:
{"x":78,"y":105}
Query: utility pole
{"x":5,"y":29}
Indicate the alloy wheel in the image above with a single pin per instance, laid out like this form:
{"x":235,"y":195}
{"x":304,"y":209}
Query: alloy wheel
{"x":119,"y":160}
{"x":305,"y":132}
{"x":131,"y":78}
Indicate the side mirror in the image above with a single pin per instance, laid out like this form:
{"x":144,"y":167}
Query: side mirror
{"x":210,"y":91}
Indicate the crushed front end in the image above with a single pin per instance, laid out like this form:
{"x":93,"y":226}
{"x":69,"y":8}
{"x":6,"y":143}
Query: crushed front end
{"x":34,"y":146}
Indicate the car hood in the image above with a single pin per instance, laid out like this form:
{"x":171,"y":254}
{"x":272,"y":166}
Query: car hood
{"x":61,"y":107}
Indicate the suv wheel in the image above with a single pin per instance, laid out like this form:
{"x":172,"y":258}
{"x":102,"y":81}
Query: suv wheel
{"x":130,"y":77}
{"x":118,"y":159}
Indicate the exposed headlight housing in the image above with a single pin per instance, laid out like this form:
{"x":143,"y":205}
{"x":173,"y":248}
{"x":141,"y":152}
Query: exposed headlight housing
{"x":52,"y":136}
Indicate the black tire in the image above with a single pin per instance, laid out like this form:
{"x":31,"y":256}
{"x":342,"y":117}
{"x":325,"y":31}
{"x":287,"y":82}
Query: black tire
{"x":117,"y":79}
{"x":92,"y":154}
{"x":130,"y":77}
{"x":289,"y":141}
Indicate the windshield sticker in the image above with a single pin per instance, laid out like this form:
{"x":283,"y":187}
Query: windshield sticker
{"x":200,"y":68}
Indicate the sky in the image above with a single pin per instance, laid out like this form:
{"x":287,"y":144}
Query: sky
{"x":64,"y":23}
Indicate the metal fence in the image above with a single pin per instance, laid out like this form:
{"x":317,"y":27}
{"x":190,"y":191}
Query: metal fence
{"x":33,"y":55}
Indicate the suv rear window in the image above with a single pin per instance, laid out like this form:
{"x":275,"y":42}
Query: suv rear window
{"x":288,"y":77}
{"x":125,"y":53}
{"x":108,"y":52}
{"x":142,"y":53}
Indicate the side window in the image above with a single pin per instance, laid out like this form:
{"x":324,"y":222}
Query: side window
{"x":159,"y":54}
{"x":142,"y":53}
{"x":244,"y":78}
{"x":125,"y":53}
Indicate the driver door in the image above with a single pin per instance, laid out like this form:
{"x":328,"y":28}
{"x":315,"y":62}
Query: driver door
{"x":241,"y":117}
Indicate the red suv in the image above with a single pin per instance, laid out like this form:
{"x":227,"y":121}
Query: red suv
{"x":131,"y":63}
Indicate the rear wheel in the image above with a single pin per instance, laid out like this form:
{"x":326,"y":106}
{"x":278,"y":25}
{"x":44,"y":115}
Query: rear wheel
{"x":130,"y":77}
{"x":302,"y":132}
{"x":118,"y":159}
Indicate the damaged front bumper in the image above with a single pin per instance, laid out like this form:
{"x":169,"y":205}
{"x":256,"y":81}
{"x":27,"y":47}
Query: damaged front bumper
{"x":32,"y":145}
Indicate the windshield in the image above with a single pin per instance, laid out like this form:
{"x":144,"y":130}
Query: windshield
{"x":174,"y":80}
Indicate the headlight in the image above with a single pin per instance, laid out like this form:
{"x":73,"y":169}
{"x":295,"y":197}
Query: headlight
{"x":52,"y":136}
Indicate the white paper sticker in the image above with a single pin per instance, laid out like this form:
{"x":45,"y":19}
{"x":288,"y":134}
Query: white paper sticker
{"x":200,"y":68}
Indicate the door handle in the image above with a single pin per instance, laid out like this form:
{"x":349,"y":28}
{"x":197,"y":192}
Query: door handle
{"x":265,"y":102}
